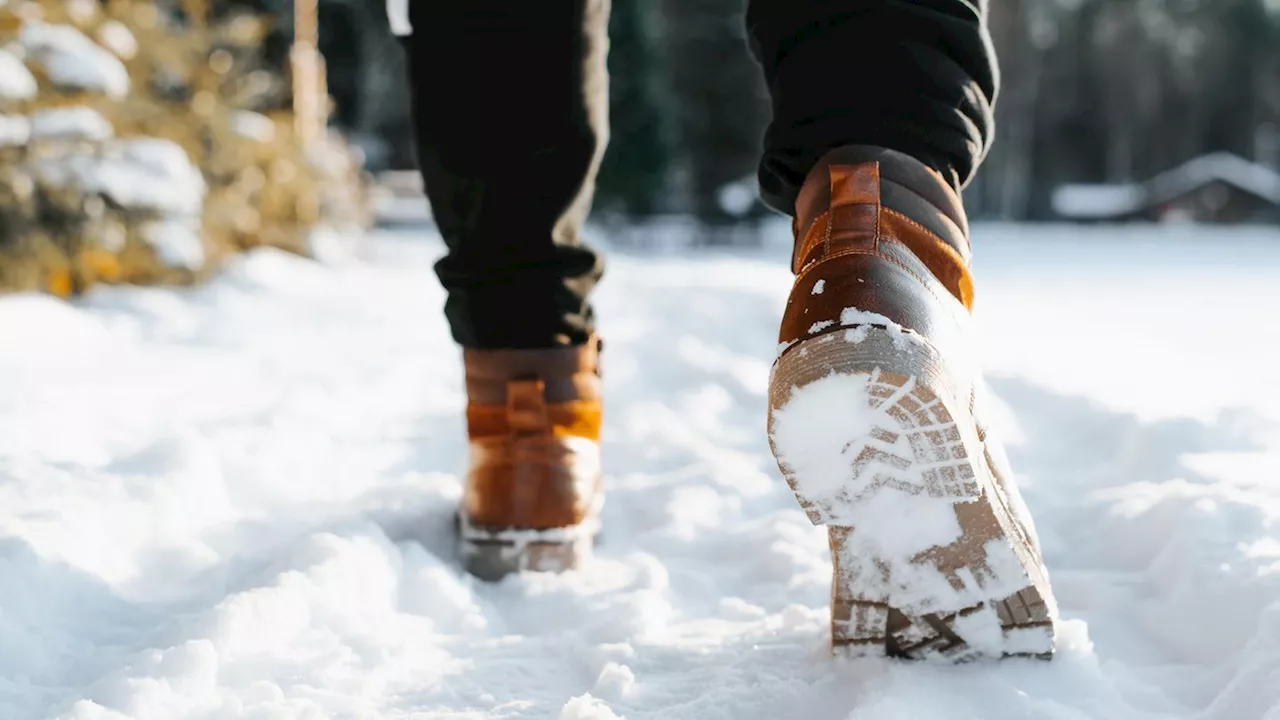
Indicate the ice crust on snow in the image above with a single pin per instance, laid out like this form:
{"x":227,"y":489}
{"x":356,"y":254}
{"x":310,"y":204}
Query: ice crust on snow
{"x":71,"y":60}
{"x":251,"y":516}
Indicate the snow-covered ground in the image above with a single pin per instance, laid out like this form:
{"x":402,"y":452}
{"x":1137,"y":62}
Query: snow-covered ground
{"x":234,"y":501}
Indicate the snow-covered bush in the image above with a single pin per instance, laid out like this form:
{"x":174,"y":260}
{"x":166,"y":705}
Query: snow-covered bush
{"x":71,"y":62}
{"x":145,"y":140}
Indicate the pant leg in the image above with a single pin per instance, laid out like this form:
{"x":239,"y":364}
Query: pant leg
{"x":916,"y":76}
{"x":510,"y":100}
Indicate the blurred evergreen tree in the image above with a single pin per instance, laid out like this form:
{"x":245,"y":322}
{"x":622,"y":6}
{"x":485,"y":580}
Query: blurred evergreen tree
{"x":634,"y":179}
{"x":723,"y":108}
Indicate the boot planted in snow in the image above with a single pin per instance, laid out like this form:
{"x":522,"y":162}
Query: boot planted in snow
{"x":875,"y":420}
{"x":533,"y":495}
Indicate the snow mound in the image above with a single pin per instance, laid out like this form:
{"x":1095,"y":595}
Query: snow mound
{"x":236,"y":501}
{"x":36,"y":320}
{"x":72,"y":61}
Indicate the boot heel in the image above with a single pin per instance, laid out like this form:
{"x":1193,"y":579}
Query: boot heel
{"x":532,"y":495}
{"x":877,"y":442}
{"x":491,"y":555}
{"x":859,"y":616}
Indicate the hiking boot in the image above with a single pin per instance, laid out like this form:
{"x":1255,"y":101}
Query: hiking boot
{"x":875,"y":402}
{"x":533,"y":490}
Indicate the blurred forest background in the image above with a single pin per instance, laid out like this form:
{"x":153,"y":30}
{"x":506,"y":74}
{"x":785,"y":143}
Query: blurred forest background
{"x":1100,"y":97}
{"x":146,"y":141}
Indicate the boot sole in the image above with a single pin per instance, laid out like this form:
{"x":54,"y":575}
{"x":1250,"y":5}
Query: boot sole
{"x":879,"y":445}
{"x":491,"y":554}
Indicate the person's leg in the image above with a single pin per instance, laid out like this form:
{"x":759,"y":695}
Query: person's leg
{"x":882,"y":114}
{"x":917,"y":76}
{"x":510,"y":101}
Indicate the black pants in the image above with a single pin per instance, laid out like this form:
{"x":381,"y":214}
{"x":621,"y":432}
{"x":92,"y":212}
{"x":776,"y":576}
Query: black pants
{"x":511,"y":105}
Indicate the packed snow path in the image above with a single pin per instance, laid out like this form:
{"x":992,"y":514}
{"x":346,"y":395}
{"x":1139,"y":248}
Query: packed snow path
{"x":235,"y":501}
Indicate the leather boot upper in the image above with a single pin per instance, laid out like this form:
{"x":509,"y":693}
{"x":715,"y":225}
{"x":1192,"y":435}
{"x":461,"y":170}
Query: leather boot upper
{"x":879,"y":237}
{"x":533,"y":420}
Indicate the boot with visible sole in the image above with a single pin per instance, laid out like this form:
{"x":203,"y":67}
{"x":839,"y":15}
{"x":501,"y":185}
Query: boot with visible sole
{"x":533,"y":494}
{"x":875,"y":404}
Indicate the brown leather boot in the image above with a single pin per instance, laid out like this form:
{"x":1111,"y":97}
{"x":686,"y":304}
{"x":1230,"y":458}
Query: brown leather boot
{"x":875,"y":404}
{"x":533,"y":493}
